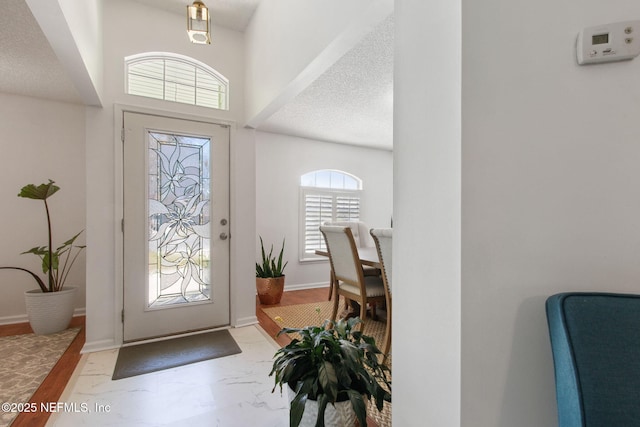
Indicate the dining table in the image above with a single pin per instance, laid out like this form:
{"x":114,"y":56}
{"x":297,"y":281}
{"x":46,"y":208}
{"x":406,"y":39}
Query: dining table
{"x":368,"y":256}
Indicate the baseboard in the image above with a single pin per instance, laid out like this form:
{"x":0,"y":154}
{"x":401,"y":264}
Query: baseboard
{"x":92,"y":347}
{"x":10,"y":320}
{"x":245,"y":321}
{"x":302,"y":286}
{"x":22,"y":318}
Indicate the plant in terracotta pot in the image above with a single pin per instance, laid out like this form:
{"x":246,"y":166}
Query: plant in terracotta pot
{"x":331,"y":370}
{"x":56,"y":265}
{"x":270,"y":276}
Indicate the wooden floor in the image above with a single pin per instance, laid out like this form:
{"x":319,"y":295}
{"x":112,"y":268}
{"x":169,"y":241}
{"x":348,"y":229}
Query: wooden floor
{"x":288,"y":298}
{"x":52,"y":387}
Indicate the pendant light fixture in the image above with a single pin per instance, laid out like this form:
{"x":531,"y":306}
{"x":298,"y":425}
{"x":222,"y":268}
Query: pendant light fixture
{"x":198,"y":23}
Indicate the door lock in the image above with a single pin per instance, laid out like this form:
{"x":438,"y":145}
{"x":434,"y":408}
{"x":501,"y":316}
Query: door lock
{"x":223,"y":236}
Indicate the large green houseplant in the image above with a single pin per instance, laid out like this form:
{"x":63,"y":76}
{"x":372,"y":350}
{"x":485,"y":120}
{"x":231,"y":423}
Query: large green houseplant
{"x":56,"y":265}
{"x":270,"y":276}
{"x":329,"y":364}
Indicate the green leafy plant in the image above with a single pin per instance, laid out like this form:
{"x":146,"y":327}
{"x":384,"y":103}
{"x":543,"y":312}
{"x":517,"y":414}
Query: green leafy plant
{"x":55,"y":264}
{"x":269,"y":266}
{"x":330,"y":364}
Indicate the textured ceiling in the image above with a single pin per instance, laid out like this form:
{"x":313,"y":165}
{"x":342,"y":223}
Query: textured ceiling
{"x":352,"y":102}
{"x":28,"y":65}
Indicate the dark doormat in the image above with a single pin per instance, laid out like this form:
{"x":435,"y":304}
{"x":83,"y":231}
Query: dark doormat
{"x":156,"y":356}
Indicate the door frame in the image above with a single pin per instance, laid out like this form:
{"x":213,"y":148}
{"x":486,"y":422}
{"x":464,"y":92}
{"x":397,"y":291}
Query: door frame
{"x":119,"y":110}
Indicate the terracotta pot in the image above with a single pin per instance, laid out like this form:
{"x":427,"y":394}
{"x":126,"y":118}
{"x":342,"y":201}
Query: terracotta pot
{"x":270,"y":289}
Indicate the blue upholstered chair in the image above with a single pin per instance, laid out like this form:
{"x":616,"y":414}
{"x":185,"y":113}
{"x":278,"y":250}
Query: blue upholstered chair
{"x":595,"y":340}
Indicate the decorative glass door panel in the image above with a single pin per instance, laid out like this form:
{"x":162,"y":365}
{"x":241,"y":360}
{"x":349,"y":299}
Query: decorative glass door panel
{"x":176,"y":226}
{"x":179,"y":233}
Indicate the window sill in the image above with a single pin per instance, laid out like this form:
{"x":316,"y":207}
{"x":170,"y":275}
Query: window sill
{"x":315,"y":260}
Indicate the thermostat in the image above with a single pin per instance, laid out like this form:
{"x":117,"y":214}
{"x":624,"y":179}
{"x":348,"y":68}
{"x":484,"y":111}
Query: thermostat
{"x":610,"y":42}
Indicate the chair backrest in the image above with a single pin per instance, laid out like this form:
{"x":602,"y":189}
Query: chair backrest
{"x":595,"y":341}
{"x":343,"y":254}
{"x":383,"y":238}
{"x":359,"y":230}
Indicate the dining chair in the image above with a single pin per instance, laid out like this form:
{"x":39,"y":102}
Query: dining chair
{"x":350,"y":281}
{"x":360,"y":234}
{"x":595,"y":342}
{"x":382,"y":238}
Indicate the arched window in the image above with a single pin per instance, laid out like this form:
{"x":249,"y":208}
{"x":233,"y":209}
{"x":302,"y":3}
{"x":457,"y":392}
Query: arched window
{"x":325,"y":195}
{"x":177,"y":78}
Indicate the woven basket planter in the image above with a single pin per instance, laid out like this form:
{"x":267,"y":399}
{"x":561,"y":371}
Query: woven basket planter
{"x":340,"y":414}
{"x":50,"y":312}
{"x":270,"y":289}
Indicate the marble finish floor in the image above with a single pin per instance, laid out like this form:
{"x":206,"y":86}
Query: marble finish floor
{"x":232,"y":391}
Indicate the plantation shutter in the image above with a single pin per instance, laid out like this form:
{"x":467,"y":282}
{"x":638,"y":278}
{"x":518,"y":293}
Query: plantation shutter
{"x":328,"y":206}
{"x":347,"y":208}
{"x":318,"y":210}
{"x":326,"y":195}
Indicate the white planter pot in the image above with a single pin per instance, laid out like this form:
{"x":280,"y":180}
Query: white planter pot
{"x":340,"y":415}
{"x":50,"y":312}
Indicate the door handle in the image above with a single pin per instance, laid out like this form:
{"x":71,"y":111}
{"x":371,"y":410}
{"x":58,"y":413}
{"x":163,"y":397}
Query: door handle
{"x":223,"y":236}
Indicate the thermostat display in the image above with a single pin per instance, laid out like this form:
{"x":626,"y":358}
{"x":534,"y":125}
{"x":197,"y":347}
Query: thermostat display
{"x":610,"y":42}
{"x":600,"y":38}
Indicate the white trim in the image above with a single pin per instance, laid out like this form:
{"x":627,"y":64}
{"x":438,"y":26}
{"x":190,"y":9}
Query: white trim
{"x":101,"y":345}
{"x":119,"y":110}
{"x":23,"y":318}
{"x":10,"y":320}
{"x":246,"y":321}
{"x":306,"y":286}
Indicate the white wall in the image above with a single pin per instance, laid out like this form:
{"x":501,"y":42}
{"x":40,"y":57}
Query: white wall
{"x":551,"y":198}
{"x":426,"y":215}
{"x":85,"y":22}
{"x":131,"y":28}
{"x":280,"y":161}
{"x":74,"y":31}
{"x":41,"y":140}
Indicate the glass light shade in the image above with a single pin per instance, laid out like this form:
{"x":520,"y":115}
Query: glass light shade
{"x":198,"y":23}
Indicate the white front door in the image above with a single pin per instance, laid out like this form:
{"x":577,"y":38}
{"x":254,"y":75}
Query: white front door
{"x":176,"y":225}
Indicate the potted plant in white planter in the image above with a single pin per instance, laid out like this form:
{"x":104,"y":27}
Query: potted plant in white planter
{"x":50,"y":307}
{"x":270,"y":276}
{"x":331,"y":371}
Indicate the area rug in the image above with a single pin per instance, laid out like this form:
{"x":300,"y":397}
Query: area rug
{"x":156,"y":356}
{"x":301,"y":315}
{"x":26,"y":361}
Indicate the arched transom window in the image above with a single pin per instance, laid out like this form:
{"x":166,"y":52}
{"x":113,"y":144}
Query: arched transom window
{"x":177,"y":78}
